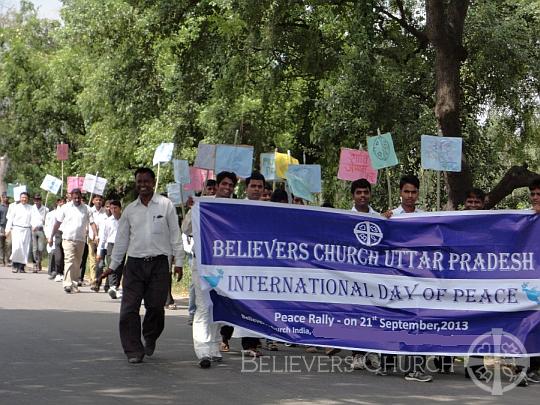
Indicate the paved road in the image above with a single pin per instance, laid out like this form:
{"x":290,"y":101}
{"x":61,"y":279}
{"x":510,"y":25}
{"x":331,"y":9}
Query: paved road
{"x":64,"y":349}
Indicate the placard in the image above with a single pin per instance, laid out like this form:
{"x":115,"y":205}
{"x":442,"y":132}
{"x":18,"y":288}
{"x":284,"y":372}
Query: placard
{"x":310,"y":175}
{"x":234,"y":158}
{"x":441,"y":153}
{"x":75,"y":182}
{"x":181,"y":171}
{"x":94,"y":185}
{"x":51,"y":184}
{"x":381,"y":151}
{"x":163,"y":153}
{"x":206,"y":156}
{"x":356,"y":164}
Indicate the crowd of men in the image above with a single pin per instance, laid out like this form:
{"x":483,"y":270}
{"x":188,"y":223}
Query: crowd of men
{"x":133,"y":252}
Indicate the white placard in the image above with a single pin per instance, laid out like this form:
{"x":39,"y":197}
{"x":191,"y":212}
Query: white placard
{"x":173,"y":192}
{"x":51,"y":184}
{"x":163,"y":153}
{"x":17,"y":192}
{"x":94,"y":185}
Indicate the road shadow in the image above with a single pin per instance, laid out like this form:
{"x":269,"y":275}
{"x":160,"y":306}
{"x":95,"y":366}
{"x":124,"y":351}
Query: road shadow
{"x":66,"y":356}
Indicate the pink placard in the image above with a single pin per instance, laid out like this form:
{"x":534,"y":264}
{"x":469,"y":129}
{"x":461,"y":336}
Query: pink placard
{"x":198,"y":178}
{"x":75,"y":182}
{"x":356,"y":164}
{"x":62,"y":151}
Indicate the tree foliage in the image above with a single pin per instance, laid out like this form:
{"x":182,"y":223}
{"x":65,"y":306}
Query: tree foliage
{"x":118,"y":77}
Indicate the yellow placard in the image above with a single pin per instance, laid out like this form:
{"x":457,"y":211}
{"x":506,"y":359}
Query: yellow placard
{"x":283,"y":160}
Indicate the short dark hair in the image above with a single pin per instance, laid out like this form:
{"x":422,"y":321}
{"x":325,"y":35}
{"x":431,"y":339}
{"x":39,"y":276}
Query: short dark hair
{"x":255,"y":176}
{"x":210,"y":183}
{"x":476,"y":192}
{"x":268,"y":186}
{"x":409,"y":179}
{"x":360,"y":183}
{"x":76,"y":191}
{"x":534,"y":184}
{"x":279,"y":195}
{"x":147,"y":170}
{"x":25,"y":193}
{"x":60,"y":199}
{"x":116,"y":203}
{"x":224,"y":174}
{"x":328,"y":204}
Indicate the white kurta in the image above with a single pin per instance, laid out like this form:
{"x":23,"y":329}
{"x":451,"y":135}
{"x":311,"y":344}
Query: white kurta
{"x":20,"y":224}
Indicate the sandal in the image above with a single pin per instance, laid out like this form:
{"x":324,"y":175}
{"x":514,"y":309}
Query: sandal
{"x":224,"y":347}
{"x":253,"y":353}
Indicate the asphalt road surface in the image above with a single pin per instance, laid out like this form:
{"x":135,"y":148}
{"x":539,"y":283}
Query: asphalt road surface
{"x":57,"y":348}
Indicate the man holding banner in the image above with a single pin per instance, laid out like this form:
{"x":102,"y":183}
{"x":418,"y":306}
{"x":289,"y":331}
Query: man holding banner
{"x":361,"y":194}
{"x":206,"y":332}
{"x":409,"y":187}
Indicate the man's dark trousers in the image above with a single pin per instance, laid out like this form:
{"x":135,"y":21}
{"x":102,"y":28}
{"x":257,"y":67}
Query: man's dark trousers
{"x":143,"y":279}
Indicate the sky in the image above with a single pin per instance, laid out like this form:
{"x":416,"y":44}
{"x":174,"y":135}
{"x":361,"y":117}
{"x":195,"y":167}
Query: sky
{"x":46,"y":8}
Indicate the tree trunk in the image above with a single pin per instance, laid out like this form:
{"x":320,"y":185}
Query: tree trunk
{"x":444,"y":28}
{"x":515,"y":177}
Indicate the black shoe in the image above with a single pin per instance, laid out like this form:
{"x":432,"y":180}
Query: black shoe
{"x":135,"y":359}
{"x":52,"y":276}
{"x":205,"y":362}
{"x":79,"y":283}
{"x":67,"y":290}
{"x":149,"y":348}
{"x":21,"y":270}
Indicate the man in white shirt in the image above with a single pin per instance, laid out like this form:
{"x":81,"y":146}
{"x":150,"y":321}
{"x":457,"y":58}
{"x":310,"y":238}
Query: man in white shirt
{"x":75,"y":218}
{"x":107,"y":237}
{"x":100,"y":215}
{"x":38,"y":236}
{"x":254,"y":190}
{"x":409,"y":190}
{"x":56,"y":256}
{"x":149,"y":234}
{"x":206,"y":333}
{"x":21,"y":220}
{"x":361,"y":194}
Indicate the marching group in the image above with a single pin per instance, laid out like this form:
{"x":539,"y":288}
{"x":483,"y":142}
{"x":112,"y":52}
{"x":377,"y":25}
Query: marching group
{"x":133,"y":252}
